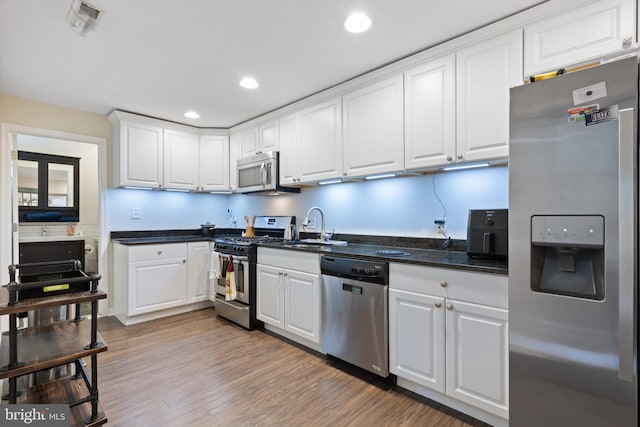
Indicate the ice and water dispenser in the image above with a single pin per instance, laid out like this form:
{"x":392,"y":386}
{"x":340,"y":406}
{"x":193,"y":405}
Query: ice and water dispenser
{"x":567,"y":255}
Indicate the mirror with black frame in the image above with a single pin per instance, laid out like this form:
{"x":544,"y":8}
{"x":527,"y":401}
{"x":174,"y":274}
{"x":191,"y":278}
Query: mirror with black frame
{"x":48,"y":187}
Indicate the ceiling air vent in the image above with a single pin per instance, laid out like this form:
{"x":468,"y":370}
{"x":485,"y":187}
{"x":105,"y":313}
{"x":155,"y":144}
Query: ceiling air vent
{"x":82,"y":16}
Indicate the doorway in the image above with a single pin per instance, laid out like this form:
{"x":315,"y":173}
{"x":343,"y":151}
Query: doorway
{"x":91,"y":222}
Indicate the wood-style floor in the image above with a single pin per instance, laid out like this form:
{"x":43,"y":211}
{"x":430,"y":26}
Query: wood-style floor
{"x":196,"y":369}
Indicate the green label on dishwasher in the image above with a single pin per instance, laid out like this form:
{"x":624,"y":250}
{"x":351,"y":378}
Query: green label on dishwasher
{"x":356,"y":290}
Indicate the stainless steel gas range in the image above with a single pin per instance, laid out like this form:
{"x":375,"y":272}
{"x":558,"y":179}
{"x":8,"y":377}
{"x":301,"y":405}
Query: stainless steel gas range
{"x":243,"y":253}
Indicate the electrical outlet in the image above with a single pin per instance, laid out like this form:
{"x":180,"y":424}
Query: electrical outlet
{"x":439,"y":223}
{"x":311,"y":223}
{"x":135,"y":213}
{"x":229,"y":211}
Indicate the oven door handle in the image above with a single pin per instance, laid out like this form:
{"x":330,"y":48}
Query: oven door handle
{"x":235,"y":257}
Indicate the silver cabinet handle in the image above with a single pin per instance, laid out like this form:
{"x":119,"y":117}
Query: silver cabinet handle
{"x":460,"y":157}
{"x":438,"y":305}
{"x":444,"y":284}
{"x":159,"y":252}
{"x":449,"y":307}
{"x":626,"y":42}
{"x":449,"y":158}
{"x":626,"y":248}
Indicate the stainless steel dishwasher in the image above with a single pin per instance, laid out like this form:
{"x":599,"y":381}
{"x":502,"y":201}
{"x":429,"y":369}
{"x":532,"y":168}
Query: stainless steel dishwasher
{"x":355,"y":320}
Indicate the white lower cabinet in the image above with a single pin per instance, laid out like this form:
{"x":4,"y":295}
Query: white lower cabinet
{"x":152,"y":281}
{"x":156,"y":277}
{"x":198,"y":282}
{"x":286,"y":297}
{"x":448,"y":332}
{"x":416,"y":338}
{"x":477,"y":349}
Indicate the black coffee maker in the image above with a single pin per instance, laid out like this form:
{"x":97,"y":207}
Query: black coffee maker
{"x":488,"y":233}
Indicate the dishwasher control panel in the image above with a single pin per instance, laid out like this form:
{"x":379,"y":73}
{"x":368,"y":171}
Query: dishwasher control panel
{"x":356,"y":269}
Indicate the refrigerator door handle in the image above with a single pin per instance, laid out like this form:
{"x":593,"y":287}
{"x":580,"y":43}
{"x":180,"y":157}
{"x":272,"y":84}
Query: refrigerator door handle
{"x":626,"y":239}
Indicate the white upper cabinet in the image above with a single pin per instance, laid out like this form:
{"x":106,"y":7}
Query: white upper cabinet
{"x":196,"y":162}
{"x":311,"y":144}
{"x":137,"y":152}
{"x":235,"y":153}
{"x":269,"y":138}
{"x":214,"y":163}
{"x":151,"y":153}
{"x":579,"y":35}
{"x":373,"y":129}
{"x":260,"y":138}
{"x":250,"y":141}
{"x":484,"y":73}
{"x":429,"y":114}
{"x":289,"y":138}
{"x":181,"y":165}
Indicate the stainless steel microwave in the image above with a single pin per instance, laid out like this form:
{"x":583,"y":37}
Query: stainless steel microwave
{"x":259,"y":174}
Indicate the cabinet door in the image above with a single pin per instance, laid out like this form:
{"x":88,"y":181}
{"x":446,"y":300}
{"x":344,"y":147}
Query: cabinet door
{"x":250,"y":141}
{"x":416,"y":338}
{"x":478,"y":356}
{"x":269,"y":136}
{"x":140,"y":155}
{"x":373,"y":129}
{"x":580,"y":35}
{"x":289,"y":138}
{"x":235,"y":153}
{"x":485,"y":72}
{"x":198,"y":272}
{"x":302,"y":310}
{"x":214,"y":163}
{"x":157,"y":284}
{"x":430,"y":114}
{"x":320,"y":146}
{"x":269,"y":298}
{"x":181,"y":165}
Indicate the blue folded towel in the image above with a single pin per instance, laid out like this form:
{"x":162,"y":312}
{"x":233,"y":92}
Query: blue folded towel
{"x":43,"y":216}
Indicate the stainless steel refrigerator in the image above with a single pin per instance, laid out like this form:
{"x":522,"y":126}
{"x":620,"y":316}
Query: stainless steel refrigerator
{"x":573,"y":228}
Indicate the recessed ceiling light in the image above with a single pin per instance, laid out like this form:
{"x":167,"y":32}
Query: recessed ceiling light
{"x":249,"y":83}
{"x":192,"y":115}
{"x":357,"y":23}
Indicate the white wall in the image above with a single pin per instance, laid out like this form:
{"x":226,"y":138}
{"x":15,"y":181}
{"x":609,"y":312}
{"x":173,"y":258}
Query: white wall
{"x":163,"y":210}
{"x":391,"y":207}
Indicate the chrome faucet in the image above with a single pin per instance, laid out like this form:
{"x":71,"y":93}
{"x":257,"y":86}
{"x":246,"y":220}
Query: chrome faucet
{"x":44,"y":230}
{"x":305,"y":223}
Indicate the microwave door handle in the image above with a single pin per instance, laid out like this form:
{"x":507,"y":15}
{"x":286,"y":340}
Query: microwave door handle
{"x":263,"y":174}
{"x":626,"y":242}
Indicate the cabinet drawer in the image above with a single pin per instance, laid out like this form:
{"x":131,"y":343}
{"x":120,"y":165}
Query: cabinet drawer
{"x":290,"y":259}
{"x":151,"y":252}
{"x":479,"y":288}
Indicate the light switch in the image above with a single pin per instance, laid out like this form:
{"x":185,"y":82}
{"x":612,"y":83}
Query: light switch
{"x":135,"y":213}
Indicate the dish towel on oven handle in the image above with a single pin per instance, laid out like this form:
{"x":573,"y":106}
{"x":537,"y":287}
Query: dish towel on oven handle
{"x":215,"y":266}
{"x":230,"y":291}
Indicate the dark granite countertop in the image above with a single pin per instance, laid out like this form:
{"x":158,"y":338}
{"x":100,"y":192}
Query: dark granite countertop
{"x":426,"y":257}
{"x":419,"y":251}
{"x":149,"y":237}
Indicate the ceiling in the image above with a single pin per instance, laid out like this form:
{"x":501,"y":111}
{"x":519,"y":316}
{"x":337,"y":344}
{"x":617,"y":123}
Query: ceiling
{"x":163,"y":57}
